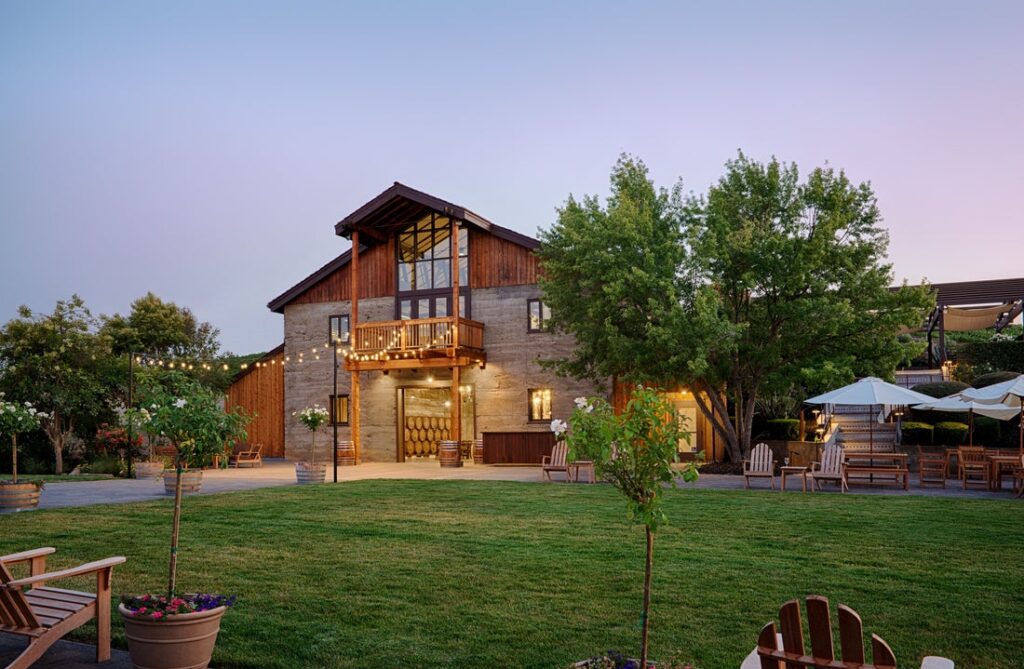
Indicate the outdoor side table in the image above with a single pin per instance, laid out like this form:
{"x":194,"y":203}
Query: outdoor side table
{"x":587,"y":466}
{"x":793,"y":471}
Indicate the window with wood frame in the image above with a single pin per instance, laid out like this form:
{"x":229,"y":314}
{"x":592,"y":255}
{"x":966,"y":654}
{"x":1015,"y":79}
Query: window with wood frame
{"x":539,"y":404}
{"x":537,"y":316}
{"x":424,"y":269}
{"x":338,"y":407}
{"x":338,"y":330}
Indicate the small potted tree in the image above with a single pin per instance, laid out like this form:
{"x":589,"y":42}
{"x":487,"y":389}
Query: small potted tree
{"x":637,"y":452}
{"x":310,"y":471}
{"x":146,"y":463}
{"x":14,"y":419}
{"x":172,"y":630}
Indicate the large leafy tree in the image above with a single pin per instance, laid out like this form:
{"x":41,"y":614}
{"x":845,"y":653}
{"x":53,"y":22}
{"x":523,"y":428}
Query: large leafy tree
{"x":161,"y":328}
{"x":59,"y":362}
{"x":766,"y":282}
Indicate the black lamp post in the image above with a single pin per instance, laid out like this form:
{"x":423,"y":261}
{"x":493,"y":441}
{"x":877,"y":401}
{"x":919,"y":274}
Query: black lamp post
{"x":334,"y":403}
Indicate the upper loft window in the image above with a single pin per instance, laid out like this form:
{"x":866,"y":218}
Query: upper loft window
{"x":338,"y":329}
{"x":425,"y":255}
{"x":538,"y":316}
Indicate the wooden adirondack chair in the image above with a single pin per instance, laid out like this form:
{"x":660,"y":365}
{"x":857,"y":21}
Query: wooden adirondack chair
{"x":831,"y":468}
{"x":932,"y":468}
{"x":555,"y":462}
{"x":1018,"y":478}
{"x":974,"y":468}
{"x":248,"y":455}
{"x":786,"y":650}
{"x":30,"y":608}
{"x":760,"y":465}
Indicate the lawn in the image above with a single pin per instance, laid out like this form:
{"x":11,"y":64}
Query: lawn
{"x":486,"y":574}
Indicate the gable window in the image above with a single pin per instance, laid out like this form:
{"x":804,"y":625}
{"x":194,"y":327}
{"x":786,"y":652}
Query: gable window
{"x":538,"y":315}
{"x":424,"y":268}
{"x":539,"y":404}
{"x":338,"y":329}
{"x":338,"y":409}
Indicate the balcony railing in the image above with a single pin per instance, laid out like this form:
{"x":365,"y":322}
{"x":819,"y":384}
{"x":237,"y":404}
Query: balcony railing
{"x":421,"y":334}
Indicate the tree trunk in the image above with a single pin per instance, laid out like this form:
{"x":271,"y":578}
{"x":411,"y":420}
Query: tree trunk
{"x":718,"y":415}
{"x":647,"y":597}
{"x":748,"y":425}
{"x":58,"y":452}
{"x":175,"y":524}
{"x":312,"y":449}
{"x":14,"y":456}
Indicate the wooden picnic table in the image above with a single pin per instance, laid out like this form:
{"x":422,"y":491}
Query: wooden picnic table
{"x":891,"y":467}
{"x":999,"y":464}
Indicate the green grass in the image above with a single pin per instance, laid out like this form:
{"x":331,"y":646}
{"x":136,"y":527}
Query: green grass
{"x":484,"y":574}
{"x":57,"y":478}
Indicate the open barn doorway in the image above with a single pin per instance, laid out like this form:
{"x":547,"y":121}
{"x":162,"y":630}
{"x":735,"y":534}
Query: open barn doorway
{"x":424,"y":420}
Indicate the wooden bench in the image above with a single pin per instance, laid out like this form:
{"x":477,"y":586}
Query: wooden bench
{"x":889,"y":468}
{"x":31,"y":608}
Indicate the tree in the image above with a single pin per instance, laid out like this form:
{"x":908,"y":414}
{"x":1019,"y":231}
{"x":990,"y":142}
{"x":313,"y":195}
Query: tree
{"x":635,"y":452}
{"x":161,"y":328}
{"x":765,"y":283}
{"x":59,"y":362}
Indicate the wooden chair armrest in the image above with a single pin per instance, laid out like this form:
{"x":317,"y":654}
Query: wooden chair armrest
{"x":26,"y":556}
{"x":746,"y":465}
{"x":932,"y":662}
{"x":545,"y":460}
{"x":88,"y":568}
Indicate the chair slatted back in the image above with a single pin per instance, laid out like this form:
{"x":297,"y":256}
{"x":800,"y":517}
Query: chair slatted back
{"x":558,"y":454}
{"x":972,"y":454}
{"x":14,"y":607}
{"x":794,"y":654}
{"x":832,"y":459}
{"x":761,"y":459}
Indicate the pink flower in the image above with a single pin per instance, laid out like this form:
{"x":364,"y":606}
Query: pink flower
{"x":157,"y":615}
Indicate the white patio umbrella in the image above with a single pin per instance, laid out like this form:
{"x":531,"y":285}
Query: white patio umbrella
{"x":871,"y":392}
{"x":956,"y":403}
{"x":1008,"y":392}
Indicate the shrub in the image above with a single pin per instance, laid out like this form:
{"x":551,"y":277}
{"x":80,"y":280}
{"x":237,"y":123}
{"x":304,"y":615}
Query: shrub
{"x":991,"y":355}
{"x":950,"y":434}
{"x":784,"y":429}
{"x":917,"y":434}
{"x":987,"y":431}
{"x":993,"y":378}
{"x":940,"y":388}
{"x":103,"y":464}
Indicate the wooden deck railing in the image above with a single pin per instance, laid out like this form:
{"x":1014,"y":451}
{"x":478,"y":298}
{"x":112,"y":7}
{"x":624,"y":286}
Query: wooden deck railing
{"x":418,"y":334}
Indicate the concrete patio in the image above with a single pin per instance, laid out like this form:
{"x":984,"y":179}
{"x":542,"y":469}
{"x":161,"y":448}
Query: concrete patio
{"x":276,"y":473}
{"x":63,"y":655}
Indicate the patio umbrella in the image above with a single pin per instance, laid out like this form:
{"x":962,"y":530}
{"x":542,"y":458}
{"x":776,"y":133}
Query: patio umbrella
{"x":957,"y":403}
{"x":871,"y":392}
{"x":1008,"y":392}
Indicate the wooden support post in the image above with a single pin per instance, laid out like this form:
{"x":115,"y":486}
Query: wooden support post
{"x":456,"y":404}
{"x":455,"y":285}
{"x":354,"y":269}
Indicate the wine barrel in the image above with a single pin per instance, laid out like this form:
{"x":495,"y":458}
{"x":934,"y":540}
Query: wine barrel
{"x":307,"y":473}
{"x":346,"y":453}
{"x":478,"y":452}
{"x":19,"y":495}
{"x":191,"y":481}
{"x":449,"y":454}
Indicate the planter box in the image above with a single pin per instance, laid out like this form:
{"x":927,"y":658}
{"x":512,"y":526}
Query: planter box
{"x":307,"y":473}
{"x":183,"y":641}
{"x":191,"y":481}
{"x":19,"y":496}
{"x":148,"y":470}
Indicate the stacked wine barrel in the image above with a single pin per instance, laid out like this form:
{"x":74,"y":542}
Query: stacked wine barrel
{"x":424,"y":433}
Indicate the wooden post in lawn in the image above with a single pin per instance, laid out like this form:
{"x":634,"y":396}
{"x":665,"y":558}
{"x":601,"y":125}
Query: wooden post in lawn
{"x":354,"y":287}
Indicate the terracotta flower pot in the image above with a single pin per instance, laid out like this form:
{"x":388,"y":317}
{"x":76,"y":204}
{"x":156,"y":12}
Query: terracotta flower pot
{"x":19,"y":495}
{"x":183,"y":641}
{"x":307,"y":473}
{"x":191,"y":481}
{"x":148,"y":470}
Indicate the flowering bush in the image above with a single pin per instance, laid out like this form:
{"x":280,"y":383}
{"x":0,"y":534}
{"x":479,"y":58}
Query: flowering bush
{"x":158,"y":607}
{"x":313,"y":417}
{"x":115,"y":439}
{"x":15,"y":418}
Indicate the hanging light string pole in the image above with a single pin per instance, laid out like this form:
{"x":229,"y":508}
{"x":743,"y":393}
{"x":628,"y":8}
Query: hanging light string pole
{"x":334,"y":403}
{"x":131,"y":393}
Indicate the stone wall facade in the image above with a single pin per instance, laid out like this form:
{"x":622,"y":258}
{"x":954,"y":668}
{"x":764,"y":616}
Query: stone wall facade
{"x":500,"y":389}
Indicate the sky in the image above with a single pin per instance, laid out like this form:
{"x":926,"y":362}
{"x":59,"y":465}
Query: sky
{"x":204,"y":150}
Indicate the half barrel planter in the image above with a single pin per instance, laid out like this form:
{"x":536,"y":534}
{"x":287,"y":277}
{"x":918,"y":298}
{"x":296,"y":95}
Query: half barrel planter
{"x":309,"y":473}
{"x":191,"y":481}
{"x":183,"y":641}
{"x":18,"y":496}
{"x":148,"y":470}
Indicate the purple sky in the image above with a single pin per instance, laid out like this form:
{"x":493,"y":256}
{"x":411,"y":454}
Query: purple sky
{"x":204,"y":150}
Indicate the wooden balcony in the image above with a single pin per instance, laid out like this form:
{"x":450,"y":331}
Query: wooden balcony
{"x":423,"y":342}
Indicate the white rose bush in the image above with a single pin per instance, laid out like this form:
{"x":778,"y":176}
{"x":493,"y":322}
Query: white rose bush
{"x":14,"y":419}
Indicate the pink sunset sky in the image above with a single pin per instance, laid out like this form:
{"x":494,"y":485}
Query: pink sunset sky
{"x":204,"y":150}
